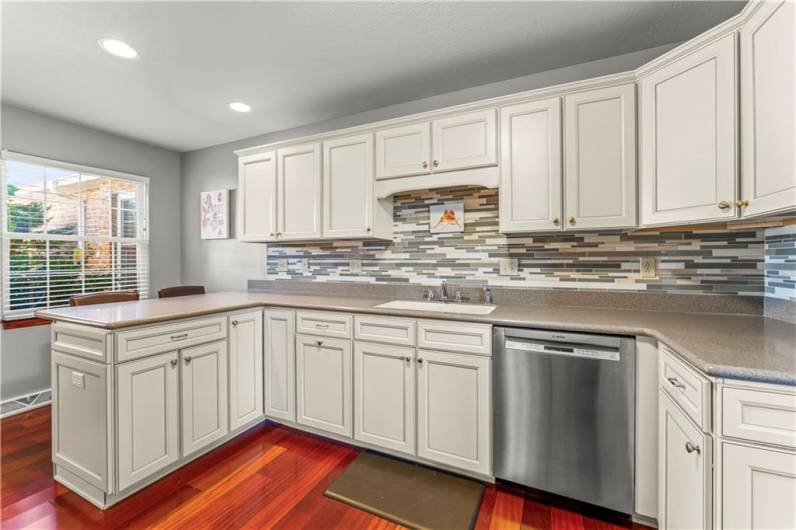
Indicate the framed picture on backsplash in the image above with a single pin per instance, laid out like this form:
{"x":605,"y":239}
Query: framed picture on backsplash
{"x":214,"y":214}
{"x":446,"y":217}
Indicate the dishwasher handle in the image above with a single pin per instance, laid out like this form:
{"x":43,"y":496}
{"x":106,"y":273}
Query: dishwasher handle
{"x":583,"y":351}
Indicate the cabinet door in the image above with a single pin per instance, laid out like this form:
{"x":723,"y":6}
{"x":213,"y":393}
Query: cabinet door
{"x":453,"y":410}
{"x":688,"y":133}
{"x":245,"y":368}
{"x":257,"y":197}
{"x":684,"y":470}
{"x":758,"y":487}
{"x":403,"y":151}
{"x":280,"y":364}
{"x":384,"y":396}
{"x":299,"y":192}
{"x":348,"y":187}
{"x":768,"y":91}
{"x":204,"y":395}
{"x":148,"y":404}
{"x":323,"y":384}
{"x":600,"y":158}
{"x":530,"y":166}
{"x":464,"y":141}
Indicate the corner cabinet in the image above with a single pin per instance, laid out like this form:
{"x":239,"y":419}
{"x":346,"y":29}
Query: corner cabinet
{"x":688,"y":137}
{"x":768,"y":110}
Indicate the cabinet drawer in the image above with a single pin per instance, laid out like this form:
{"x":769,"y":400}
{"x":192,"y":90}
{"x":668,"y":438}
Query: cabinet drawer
{"x":385,"y":329}
{"x":759,"y":416}
{"x":689,"y":389}
{"x":137,"y":343}
{"x":458,"y":337}
{"x":324,"y":323}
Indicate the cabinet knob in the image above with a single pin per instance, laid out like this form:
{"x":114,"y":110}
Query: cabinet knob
{"x":691,"y":448}
{"x":724,"y":205}
{"x":741,"y":203}
{"x":367,"y":230}
{"x":436,"y":163}
{"x":271,"y":234}
{"x":419,"y":361}
{"x":408,"y":359}
{"x":188,"y":359}
{"x":234,"y":323}
{"x":319,"y":342}
{"x":556,"y":221}
{"x":425,"y":164}
{"x":676,"y":383}
{"x":174,"y":362}
{"x":572,"y":220}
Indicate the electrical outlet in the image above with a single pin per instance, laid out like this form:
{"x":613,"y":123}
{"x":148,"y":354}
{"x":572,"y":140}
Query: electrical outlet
{"x":399,"y":243}
{"x":281,"y":265}
{"x":508,"y":266}
{"x":78,"y":380}
{"x":355,"y":265}
{"x":648,"y":267}
{"x":305,"y":265}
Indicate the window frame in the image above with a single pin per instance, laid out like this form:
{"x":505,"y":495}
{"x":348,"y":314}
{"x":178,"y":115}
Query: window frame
{"x":141,"y":238}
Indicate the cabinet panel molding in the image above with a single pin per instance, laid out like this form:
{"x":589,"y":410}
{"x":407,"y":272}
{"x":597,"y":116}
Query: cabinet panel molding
{"x":257,"y":197}
{"x":280,"y":364}
{"x":245,"y":368}
{"x":204,"y":395}
{"x":403,"y":151}
{"x":464,"y":141}
{"x":299,"y":192}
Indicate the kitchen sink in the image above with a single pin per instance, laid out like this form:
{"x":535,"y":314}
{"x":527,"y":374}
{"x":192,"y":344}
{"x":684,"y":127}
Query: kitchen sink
{"x":438,"y":307}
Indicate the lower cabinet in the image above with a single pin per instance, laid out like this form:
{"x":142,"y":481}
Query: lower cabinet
{"x":384,"y":396}
{"x":148,"y":403}
{"x":280,"y":364}
{"x":323,"y":384}
{"x":453,"y":410}
{"x":245,"y":368}
{"x":685,"y":470}
{"x":204,"y":395}
{"x":758,"y":487}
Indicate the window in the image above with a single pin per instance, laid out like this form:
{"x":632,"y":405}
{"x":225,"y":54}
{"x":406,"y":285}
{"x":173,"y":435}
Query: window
{"x":69,"y":230}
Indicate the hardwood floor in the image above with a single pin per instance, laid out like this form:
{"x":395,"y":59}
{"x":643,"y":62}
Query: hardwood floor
{"x":269,"y":477}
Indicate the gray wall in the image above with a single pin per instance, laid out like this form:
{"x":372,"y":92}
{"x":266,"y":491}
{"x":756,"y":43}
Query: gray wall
{"x":228,"y":264}
{"x":24,"y":353}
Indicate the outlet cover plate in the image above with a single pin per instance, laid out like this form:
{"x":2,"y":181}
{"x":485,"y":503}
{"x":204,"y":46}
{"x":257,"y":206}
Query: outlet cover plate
{"x":355,"y":265}
{"x":305,"y":265}
{"x":648,"y":267}
{"x":281,"y":265}
{"x":508,"y":266}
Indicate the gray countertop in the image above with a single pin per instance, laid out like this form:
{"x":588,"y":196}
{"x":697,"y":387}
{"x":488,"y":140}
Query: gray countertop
{"x":733,"y":346}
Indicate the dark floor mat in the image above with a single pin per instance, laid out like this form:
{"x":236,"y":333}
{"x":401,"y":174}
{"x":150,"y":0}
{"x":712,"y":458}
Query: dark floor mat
{"x":408,"y":494}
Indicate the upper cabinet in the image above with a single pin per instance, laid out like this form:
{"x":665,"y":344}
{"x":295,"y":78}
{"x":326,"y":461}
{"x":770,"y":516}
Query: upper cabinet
{"x":768,"y":171}
{"x":257,"y":197}
{"x":350,"y":209}
{"x":299,"y":192}
{"x":464,"y":141}
{"x":600,"y":158}
{"x":688,"y":137}
{"x":403,"y":151}
{"x":530,"y":166}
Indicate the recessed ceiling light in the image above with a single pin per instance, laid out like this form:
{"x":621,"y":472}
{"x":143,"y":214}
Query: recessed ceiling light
{"x":239,"y":106}
{"x":118,"y":48}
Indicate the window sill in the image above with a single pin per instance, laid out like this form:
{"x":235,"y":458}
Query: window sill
{"x":25,"y":323}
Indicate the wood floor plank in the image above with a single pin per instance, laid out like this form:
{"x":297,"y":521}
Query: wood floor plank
{"x":535,"y":516}
{"x":507,"y":514}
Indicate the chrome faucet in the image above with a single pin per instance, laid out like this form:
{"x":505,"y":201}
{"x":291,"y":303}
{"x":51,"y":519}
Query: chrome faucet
{"x":488,"y":300}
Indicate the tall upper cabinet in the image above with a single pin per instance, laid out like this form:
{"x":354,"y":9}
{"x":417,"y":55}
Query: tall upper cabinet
{"x":257,"y":197}
{"x":768,"y":91}
{"x":688,"y":136}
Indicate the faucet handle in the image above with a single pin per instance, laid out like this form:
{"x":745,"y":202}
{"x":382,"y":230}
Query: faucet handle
{"x":461,"y":297}
{"x":488,"y":295}
{"x":428,"y":294}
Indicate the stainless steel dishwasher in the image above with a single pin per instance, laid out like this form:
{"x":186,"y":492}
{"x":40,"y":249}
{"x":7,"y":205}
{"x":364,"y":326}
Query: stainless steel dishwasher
{"x":564,"y":414}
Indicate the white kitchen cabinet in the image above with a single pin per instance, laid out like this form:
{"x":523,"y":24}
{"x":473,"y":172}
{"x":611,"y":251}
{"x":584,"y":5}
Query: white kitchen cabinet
{"x":257,"y":204}
{"x":684,"y":470}
{"x":464,"y":141}
{"x":403,"y":151}
{"x":600,"y":158}
{"x":453,"y":410}
{"x":768,"y":92}
{"x":148,"y":416}
{"x":299,"y":192}
{"x":323,"y":384}
{"x":530,"y":166}
{"x":688,"y":137}
{"x":245,"y":368}
{"x":384,"y":396}
{"x":204,"y":395}
{"x":280,"y":364}
{"x":758,"y":487}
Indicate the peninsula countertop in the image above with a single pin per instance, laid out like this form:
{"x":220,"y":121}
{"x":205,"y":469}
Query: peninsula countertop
{"x":751,"y":348}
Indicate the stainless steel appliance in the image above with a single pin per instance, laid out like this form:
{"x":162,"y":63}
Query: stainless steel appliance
{"x":564,"y":414}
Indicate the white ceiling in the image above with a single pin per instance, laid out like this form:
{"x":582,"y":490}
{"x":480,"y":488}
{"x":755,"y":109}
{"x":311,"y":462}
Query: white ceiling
{"x":299,"y":63}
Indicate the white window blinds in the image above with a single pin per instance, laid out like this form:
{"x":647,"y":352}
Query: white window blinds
{"x":68,"y":230}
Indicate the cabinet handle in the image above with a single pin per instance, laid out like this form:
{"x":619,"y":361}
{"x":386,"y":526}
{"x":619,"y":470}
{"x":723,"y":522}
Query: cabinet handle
{"x":689,"y":447}
{"x":367,"y":230}
{"x":319,"y":342}
{"x":234,"y":323}
{"x":419,"y":361}
{"x":181,"y":336}
{"x":724,"y":205}
{"x":556,"y":221}
{"x":425,"y":164}
{"x":408,"y":359}
{"x":572,"y":220}
{"x":174,"y":362}
{"x":675,"y":383}
{"x":436,"y":163}
{"x":272,"y":234}
{"x":188,"y":360}
{"x":321,"y":325}
{"x":742,"y":203}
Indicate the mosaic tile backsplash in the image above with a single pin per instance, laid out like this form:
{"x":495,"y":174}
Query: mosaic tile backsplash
{"x":702,"y":261}
{"x":780,"y":262}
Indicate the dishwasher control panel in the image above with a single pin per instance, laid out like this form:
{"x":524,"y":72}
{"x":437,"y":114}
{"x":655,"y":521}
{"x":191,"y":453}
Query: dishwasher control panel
{"x":574,"y":350}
